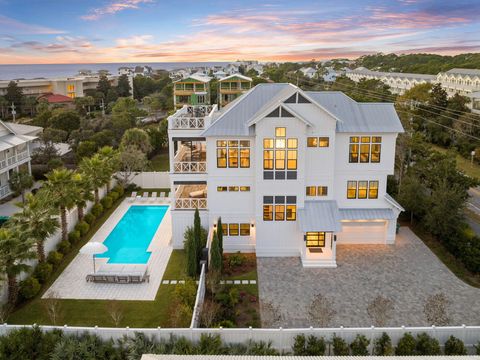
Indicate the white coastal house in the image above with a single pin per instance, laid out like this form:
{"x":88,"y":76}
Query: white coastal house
{"x":309,"y":72}
{"x":16,"y":144}
{"x":290,"y":173}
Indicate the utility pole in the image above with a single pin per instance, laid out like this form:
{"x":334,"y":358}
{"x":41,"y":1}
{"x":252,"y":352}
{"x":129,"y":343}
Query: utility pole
{"x":13,"y":111}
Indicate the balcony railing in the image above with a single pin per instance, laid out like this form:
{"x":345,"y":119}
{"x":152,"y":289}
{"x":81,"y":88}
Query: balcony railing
{"x":188,"y":123}
{"x":9,"y":161}
{"x":189,"y":167}
{"x":190,"y":203}
{"x":4,"y":191}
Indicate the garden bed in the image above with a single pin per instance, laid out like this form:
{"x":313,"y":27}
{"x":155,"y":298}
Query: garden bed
{"x":233,"y":305}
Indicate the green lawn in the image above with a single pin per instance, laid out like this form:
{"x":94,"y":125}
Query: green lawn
{"x":472,"y":170}
{"x":159,"y":162}
{"x":95,"y":312}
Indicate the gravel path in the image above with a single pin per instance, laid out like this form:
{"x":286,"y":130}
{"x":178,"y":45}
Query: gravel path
{"x":406,"y":272}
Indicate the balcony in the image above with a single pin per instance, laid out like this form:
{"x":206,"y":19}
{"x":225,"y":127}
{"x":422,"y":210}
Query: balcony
{"x":190,"y":157}
{"x":191,"y":117}
{"x":12,"y":160}
{"x":191,"y":197}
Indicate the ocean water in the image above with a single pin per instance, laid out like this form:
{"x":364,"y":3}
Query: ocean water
{"x":129,"y":240}
{"x":10,"y":72}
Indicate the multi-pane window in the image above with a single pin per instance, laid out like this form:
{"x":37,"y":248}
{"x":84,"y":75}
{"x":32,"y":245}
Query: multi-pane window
{"x":323,"y":142}
{"x":318,"y":141}
{"x":352,"y":190}
{"x":362,"y":189}
{"x":233,"y":229}
{"x":315,"y":239}
{"x":233,"y":153}
{"x":233,"y":188}
{"x":322,"y":191}
{"x":312,"y":141}
{"x":365,"y":149}
{"x":225,"y":229}
{"x":280,"y":153}
{"x":280,"y":208}
{"x":244,"y":229}
{"x":316,"y":190}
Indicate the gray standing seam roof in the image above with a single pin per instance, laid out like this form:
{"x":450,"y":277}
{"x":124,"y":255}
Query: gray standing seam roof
{"x":354,"y":117}
{"x":366,"y":214}
{"x":319,"y":216}
{"x":233,"y":119}
{"x":358,"y":117}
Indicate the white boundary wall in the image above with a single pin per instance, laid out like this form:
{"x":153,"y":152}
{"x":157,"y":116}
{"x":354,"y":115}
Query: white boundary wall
{"x":197,"y":309}
{"x":282,"y":339}
{"x":152,"y":179}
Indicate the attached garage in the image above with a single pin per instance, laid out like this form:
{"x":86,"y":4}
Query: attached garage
{"x":362,"y":232}
{"x":364,"y":226}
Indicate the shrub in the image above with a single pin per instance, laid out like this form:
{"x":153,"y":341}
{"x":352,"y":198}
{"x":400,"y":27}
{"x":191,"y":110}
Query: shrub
{"x":359,"y":346}
{"x":226,"y":324}
{"x":315,"y":346}
{"x":114,"y":195}
{"x":406,"y":345}
{"x":64,"y":246}
{"x":186,"y":293}
{"x":210,"y":344}
{"x":97,"y":210}
{"x":236,"y":260}
{"x":73,"y":237}
{"x":29,"y":288}
{"x":43,"y":271}
{"x":299,"y":345}
{"x":340,"y":347}
{"x":89,"y":218}
{"x":119,"y":190}
{"x":455,"y":346}
{"x":54,"y":258}
{"x":426,"y":345}
{"x":82,"y":227}
{"x":477,"y":348}
{"x":107,"y":202}
{"x":383,"y":346}
{"x":216,"y":255}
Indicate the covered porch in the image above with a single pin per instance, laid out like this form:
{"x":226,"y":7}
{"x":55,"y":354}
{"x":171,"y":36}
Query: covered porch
{"x":319,"y":221}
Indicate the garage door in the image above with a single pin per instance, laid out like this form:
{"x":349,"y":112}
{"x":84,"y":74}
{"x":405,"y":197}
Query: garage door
{"x":362,"y":233}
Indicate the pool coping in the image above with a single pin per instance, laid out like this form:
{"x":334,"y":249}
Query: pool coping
{"x":71,"y":284}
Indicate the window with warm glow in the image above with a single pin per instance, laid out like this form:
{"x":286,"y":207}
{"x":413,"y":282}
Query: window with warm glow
{"x":233,"y":153}
{"x":352,"y":190}
{"x":315,"y":239}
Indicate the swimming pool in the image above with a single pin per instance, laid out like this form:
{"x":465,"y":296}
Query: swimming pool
{"x":129,"y":240}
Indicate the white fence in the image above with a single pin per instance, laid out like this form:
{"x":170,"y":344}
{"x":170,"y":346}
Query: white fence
{"x":281,"y":339}
{"x":152,"y":179}
{"x":197,"y":309}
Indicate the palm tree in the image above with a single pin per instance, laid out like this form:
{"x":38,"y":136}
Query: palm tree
{"x":95,"y":170}
{"x":62,"y":187}
{"x":37,"y":221}
{"x":15,"y":248}
{"x":110,"y":158}
{"x":85,"y":192}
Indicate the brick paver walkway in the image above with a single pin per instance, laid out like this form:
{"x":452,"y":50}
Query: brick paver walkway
{"x":407,"y":272}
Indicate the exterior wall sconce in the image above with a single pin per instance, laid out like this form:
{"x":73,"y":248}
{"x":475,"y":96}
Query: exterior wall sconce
{"x":214,"y":226}
{"x":252,"y":225}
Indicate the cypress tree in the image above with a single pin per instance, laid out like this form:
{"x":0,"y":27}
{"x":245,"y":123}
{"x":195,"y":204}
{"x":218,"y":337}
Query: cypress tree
{"x":191,"y":254}
{"x":220,"y":234}
{"x":197,"y":233}
{"x":216,"y":258}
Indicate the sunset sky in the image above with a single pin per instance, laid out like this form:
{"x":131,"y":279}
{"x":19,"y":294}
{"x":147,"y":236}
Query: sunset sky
{"x":87,"y":31}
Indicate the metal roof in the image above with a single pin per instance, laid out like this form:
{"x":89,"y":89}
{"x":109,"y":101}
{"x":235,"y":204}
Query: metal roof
{"x":319,"y":216}
{"x":293,"y":357}
{"x":233,"y":118}
{"x":458,"y":71}
{"x":365,"y":71}
{"x":243,"y":77}
{"x":358,"y":117}
{"x":393,"y":202}
{"x":366,"y":214}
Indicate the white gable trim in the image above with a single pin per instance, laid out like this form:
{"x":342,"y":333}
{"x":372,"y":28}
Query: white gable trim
{"x":8,"y":128}
{"x":271,"y":108}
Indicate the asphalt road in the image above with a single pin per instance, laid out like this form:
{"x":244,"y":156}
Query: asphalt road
{"x":473,"y":202}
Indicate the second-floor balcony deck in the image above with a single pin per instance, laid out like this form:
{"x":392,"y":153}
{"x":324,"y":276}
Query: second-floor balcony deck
{"x":191,"y":157}
{"x":191,"y":117}
{"x":12,"y":160}
{"x":191,"y":197}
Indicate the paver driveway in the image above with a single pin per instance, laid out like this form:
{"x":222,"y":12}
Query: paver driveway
{"x":407,"y":272}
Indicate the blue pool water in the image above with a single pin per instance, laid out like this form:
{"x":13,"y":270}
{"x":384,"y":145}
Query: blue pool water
{"x":129,"y":240}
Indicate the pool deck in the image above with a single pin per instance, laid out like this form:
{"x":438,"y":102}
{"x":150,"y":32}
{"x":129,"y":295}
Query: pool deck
{"x":71,"y":284}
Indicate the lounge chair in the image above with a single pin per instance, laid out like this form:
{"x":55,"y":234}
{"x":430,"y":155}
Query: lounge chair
{"x":153,"y":198}
{"x":133,"y":196}
{"x":145,"y":196}
{"x":162,"y":195}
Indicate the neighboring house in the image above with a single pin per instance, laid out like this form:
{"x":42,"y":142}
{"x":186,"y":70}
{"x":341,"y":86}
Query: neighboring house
{"x":16,"y":141}
{"x":143,"y":70}
{"x":219,"y":74}
{"x":291,"y":173}
{"x":192,"y":90}
{"x":330,"y":75}
{"x":231,"y":87}
{"x":57,"y":100}
{"x":309,"y":72}
{"x":72,"y":87}
{"x":475,"y":101}
{"x":461,"y":81}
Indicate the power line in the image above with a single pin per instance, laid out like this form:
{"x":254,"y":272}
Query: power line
{"x":359,"y":92}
